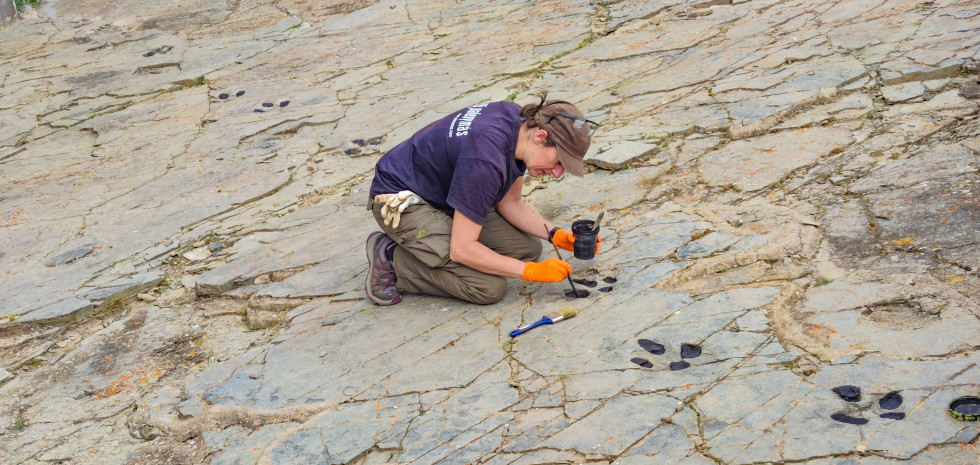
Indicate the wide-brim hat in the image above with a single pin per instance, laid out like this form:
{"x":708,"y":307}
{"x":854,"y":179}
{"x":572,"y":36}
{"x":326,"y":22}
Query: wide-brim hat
{"x":567,"y":133}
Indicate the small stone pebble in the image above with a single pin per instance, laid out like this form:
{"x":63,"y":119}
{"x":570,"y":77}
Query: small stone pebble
{"x":198,"y":254}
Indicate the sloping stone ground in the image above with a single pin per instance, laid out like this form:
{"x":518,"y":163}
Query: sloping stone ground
{"x":790,"y":186}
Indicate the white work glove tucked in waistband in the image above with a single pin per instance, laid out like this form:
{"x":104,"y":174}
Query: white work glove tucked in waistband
{"x":395,"y":204}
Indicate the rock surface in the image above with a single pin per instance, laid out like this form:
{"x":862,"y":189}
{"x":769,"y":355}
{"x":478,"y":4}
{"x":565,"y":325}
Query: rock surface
{"x":792,"y":204}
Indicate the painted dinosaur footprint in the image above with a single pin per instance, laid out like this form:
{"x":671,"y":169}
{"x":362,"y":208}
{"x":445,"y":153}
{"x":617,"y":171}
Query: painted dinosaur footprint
{"x":890,"y":401}
{"x":655,"y":348}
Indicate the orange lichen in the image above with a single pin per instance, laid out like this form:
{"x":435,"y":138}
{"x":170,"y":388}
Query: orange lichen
{"x":904,"y":240}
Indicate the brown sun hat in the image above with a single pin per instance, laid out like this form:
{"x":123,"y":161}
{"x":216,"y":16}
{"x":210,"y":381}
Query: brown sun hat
{"x":570,"y":131}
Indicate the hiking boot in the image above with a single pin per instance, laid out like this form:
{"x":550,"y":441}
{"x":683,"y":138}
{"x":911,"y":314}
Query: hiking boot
{"x":380,"y":281}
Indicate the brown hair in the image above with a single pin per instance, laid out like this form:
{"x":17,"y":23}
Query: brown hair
{"x":529,"y":111}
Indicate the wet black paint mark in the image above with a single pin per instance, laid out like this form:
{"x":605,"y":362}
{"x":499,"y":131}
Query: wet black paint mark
{"x":586,"y":282}
{"x":222,"y":96}
{"x":358,"y":142}
{"x":848,"y":419}
{"x":239,"y":93}
{"x":848,"y":393}
{"x":258,"y":110}
{"x":605,"y":289}
{"x":652,"y":347}
{"x":348,"y":151}
{"x":268,"y":105}
{"x":891,"y":401}
{"x":642,"y":362}
{"x":609,"y":280}
{"x":674,"y":366}
{"x":690,"y":351}
{"x":581,"y":293}
{"x":283,"y":103}
{"x":375,"y":142}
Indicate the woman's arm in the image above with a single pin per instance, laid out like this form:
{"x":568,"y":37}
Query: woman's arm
{"x":518,"y":213}
{"x":465,"y":248}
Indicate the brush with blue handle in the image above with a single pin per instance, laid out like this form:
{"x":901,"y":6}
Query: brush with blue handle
{"x":563,"y":313}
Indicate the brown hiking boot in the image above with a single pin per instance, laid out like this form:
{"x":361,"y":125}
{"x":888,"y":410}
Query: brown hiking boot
{"x":380,"y":281}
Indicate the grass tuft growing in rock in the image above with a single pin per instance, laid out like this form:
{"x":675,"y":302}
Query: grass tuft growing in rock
{"x":19,"y":4}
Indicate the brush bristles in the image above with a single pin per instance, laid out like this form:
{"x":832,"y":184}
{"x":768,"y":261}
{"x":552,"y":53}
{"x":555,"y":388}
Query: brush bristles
{"x":567,"y":312}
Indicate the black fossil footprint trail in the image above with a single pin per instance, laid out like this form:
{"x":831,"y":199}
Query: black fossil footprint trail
{"x":852,"y":394}
{"x":687,"y":351}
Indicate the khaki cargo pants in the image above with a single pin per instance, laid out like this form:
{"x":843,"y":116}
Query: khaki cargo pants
{"x":422,"y":261}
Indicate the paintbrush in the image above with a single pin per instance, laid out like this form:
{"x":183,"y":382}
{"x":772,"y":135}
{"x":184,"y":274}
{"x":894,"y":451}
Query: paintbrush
{"x":563,"y":313}
{"x":598,"y":220}
{"x":574,"y":291}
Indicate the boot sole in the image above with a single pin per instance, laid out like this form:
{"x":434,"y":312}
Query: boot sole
{"x":370,"y":247}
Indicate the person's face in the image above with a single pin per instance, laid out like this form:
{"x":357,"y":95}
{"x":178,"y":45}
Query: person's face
{"x":541,"y":158}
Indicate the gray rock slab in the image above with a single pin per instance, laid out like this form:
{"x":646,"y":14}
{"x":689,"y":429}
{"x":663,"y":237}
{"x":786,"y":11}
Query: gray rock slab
{"x":56,"y":309}
{"x":620,"y":155}
{"x":242,"y":446}
{"x":124,"y":287}
{"x":625,"y":419}
{"x":970,"y":90}
{"x":340,"y":375}
{"x":458,"y":417}
{"x":930,"y":165}
{"x":930,"y":216}
{"x":847,"y":228}
{"x":707,"y":245}
{"x":869,"y":316}
{"x":902,"y":92}
{"x":668,"y":442}
{"x":946,"y":104}
{"x":338,"y":436}
{"x":756,"y":164}
{"x":851,"y":106}
{"x":532,"y":427}
{"x":331,"y":277}
{"x":69,"y":256}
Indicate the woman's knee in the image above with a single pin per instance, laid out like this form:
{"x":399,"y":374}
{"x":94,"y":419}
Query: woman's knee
{"x":528,"y":249}
{"x":490,"y":291}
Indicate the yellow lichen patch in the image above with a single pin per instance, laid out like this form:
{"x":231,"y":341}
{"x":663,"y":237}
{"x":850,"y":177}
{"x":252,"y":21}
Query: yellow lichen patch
{"x":955,"y":279}
{"x":904,"y":241}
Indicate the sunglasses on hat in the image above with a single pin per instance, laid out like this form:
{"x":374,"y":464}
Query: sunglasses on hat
{"x":580,"y":125}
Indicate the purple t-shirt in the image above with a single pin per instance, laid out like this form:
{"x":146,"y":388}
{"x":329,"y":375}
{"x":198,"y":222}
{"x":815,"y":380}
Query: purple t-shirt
{"x":463,"y":162}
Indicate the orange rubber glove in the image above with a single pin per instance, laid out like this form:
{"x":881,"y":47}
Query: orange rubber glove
{"x":566,"y":240}
{"x":548,"y":271}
